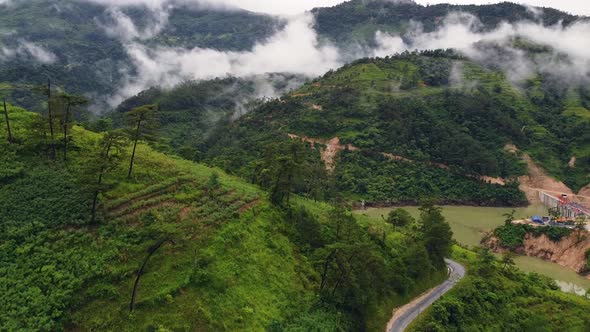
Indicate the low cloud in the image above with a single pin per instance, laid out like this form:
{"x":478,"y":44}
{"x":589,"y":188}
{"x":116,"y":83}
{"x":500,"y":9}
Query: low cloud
{"x":122,"y":27}
{"x":295,"y":49}
{"x":28,"y":49}
{"x":568,"y":56}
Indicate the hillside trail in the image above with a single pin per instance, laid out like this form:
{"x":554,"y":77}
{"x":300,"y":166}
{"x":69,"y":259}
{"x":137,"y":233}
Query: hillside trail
{"x":405,"y":315}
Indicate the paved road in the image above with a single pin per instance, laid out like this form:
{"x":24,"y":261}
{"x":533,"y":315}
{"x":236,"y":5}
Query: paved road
{"x":456,"y":272}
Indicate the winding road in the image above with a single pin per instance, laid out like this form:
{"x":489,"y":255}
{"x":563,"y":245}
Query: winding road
{"x":403,"y":316}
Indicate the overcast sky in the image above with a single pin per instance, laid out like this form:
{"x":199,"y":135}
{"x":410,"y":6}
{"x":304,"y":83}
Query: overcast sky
{"x":580,"y":7}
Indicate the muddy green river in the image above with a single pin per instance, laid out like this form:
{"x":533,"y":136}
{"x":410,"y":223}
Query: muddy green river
{"x":470,"y":223}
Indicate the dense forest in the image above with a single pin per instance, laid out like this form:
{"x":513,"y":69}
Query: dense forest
{"x":90,"y":59}
{"x":85,"y":47}
{"x":357,"y":21}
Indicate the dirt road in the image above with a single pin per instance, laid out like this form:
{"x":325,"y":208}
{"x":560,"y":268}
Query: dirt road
{"x":403,"y":316}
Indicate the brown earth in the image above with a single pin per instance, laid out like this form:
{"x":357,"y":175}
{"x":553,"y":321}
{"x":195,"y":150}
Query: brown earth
{"x":301,"y":95}
{"x":570,"y":252}
{"x":537,"y":179}
{"x":585,"y":191}
{"x":249,"y":206}
{"x":391,"y":156}
{"x":328,"y":150}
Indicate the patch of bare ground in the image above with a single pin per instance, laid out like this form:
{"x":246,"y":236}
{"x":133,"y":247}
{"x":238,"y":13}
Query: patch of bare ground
{"x":297,"y":95}
{"x":537,"y":179}
{"x":328,"y":150}
{"x":493,"y":180}
{"x":572,"y":162}
{"x":392,"y":156}
{"x":585,"y":192}
{"x":115,"y":210}
{"x":184,"y":212}
{"x":137,"y":212}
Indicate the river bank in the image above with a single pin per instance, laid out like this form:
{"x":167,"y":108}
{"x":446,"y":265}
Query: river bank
{"x":469,"y":224}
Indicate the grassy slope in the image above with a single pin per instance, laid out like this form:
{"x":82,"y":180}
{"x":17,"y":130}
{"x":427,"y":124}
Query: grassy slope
{"x":230,"y":267}
{"x":248,"y":272}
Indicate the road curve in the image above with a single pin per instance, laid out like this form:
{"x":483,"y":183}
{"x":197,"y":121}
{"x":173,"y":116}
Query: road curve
{"x":406,"y":314}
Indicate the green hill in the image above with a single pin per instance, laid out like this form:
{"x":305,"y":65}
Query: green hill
{"x":224,"y":257}
{"x":419,"y":125}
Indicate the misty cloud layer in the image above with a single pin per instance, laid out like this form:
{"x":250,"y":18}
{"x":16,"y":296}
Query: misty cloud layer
{"x":459,"y":31}
{"x":295,"y":50}
{"x":28,"y":50}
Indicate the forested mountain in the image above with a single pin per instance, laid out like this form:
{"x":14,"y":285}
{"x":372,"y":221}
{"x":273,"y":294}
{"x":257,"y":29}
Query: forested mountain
{"x":226,"y":204}
{"x":357,"y":20}
{"x":81,"y":44}
{"x":190,"y":112}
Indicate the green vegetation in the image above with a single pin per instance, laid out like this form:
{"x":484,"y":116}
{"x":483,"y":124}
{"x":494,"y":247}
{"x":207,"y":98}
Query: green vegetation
{"x":109,"y":224}
{"x":587,"y":266}
{"x":377,"y":178}
{"x":190,"y":112}
{"x":416,"y":133}
{"x":357,"y":21}
{"x":88,"y":59}
{"x":511,"y":236}
{"x":495,"y":296}
{"x":74,"y":235}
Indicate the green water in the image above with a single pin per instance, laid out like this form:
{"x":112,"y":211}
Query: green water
{"x":470,"y":223}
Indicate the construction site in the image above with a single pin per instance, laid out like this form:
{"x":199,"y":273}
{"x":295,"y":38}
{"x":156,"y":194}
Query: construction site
{"x":561,"y":212}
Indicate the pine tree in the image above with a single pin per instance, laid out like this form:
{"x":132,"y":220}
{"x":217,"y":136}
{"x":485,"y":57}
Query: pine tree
{"x":141,"y":125}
